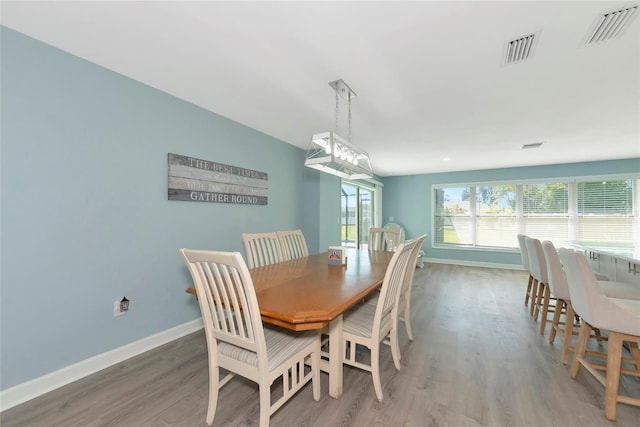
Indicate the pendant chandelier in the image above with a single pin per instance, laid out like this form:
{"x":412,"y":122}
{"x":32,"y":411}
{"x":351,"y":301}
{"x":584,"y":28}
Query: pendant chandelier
{"x":329,"y":152}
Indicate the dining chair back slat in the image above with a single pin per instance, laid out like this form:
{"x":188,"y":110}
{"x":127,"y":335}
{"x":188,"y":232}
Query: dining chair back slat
{"x":293,"y":244}
{"x":383,"y":239}
{"x":262,"y":249}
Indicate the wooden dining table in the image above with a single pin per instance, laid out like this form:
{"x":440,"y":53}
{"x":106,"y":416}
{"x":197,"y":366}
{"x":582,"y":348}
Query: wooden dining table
{"x":307,"y":293}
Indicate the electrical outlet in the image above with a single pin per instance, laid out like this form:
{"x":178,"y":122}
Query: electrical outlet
{"x":120,"y":307}
{"x":116,"y":309}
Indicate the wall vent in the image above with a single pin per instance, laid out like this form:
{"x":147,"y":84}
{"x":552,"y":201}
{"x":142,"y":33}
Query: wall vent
{"x":611,"y":25}
{"x":533,"y":145}
{"x":520,"y":49}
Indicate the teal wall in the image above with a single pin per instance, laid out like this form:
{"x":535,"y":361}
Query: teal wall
{"x":85,"y":218}
{"x":408,"y":200}
{"x":321,"y":210}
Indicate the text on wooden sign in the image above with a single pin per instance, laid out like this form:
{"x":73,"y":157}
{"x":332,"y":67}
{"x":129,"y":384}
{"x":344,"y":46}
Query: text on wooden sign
{"x":198,"y":180}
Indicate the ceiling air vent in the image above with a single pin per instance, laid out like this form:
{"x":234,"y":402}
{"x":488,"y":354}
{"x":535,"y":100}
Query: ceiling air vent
{"x":520,"y":49}
{"x":534,"y":145}
{"x":611,"y":25}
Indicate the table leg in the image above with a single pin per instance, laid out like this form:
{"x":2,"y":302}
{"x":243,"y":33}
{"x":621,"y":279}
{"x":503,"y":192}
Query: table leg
{"x":336,"y":354}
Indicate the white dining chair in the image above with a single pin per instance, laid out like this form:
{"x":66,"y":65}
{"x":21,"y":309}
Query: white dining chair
{"x":238,"y":342}
{"x":293,"y":244}
{"x":383,"y":239}
{"x":262,"y":249}
{"x":619,"y":317}
{"x":404,"y":301}
{"x":369,"y":325}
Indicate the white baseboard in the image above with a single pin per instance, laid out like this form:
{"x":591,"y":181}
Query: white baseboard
{"x":38,"y":386}
{"x":474,"y":263}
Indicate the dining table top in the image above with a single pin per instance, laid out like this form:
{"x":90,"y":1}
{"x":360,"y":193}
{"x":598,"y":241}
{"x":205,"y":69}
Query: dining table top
{"x":308,"y":293}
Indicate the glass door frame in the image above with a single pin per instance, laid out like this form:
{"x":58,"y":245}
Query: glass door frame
{"x":361,"y":235}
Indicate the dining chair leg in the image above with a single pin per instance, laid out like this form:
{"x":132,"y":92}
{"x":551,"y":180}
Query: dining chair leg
{"x":568,"y":333}
{"x":529,"y":289}
{"x":614,"y":355}
{"x":395,"y":346}
{"x":214,"y":385}
{"x":538,"y":302}
{"x":545,"y":309}
{"x":555,"y":322}
{"x":598,"y":335}
{"x":375,"y":374}
{"x":407,"y":318}
{"x":534,"y":296}
{"x":581,"y":348}
{"x":265,"y":405}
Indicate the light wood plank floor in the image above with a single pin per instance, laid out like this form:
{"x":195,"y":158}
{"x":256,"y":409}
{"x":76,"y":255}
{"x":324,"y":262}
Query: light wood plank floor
{"x":477,"y":360}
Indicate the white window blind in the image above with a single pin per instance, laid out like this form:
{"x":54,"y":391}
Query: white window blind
{"x":605,"y":211}
{"x":545,"y":211}
{"x":491,"y":215}
{"x":496,"y":216}
{"x":453,"y":216}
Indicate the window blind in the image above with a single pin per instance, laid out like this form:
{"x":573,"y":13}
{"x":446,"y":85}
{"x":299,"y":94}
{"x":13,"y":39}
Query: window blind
{"x":605,"y":211}
{"x":545,"y":211}
{"x":490,"y":215}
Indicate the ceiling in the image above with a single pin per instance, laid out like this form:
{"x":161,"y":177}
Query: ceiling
{"x":429,"y":76}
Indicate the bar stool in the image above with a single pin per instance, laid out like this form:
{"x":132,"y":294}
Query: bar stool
{"x":538,"y":267}
{"x":559,"y":289}
{"x":524,"y":254}
{"x":619,"y":317}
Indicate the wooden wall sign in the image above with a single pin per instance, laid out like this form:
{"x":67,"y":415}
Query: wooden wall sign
{"x":197,"y":180}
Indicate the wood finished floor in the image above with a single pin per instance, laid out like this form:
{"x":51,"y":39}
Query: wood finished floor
{"x":478,"y":359}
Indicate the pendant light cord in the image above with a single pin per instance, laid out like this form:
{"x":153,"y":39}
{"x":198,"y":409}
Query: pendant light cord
{"x":337,"y":109}
{"x":349,"y":132}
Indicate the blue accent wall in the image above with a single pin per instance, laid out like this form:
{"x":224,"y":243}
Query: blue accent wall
{"x":85,"y":218}
{"x":408,"y":199}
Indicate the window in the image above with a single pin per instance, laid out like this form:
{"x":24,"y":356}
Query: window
{"x":545,"y":212}
{"x":357,"y":213}
{"x":491,"y":215}
{"x":476,"y":216}
{"x":605,"y":210}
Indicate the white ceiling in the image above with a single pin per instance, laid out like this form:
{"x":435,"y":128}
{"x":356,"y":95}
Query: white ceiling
{"x":428,"y":75}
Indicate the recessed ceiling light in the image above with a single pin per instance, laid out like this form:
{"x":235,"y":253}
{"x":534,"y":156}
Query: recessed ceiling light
{"x":446,"y":159}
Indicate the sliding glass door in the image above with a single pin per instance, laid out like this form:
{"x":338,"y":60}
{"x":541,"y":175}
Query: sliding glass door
{"x":356,"y":214}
